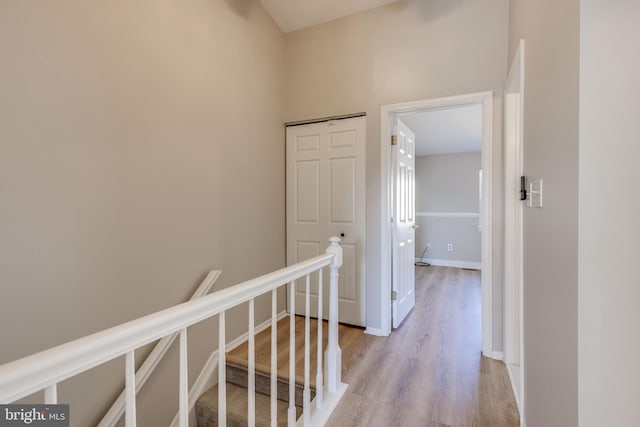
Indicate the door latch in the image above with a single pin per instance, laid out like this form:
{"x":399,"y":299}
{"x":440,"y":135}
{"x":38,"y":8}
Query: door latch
{"x":523,"y":188}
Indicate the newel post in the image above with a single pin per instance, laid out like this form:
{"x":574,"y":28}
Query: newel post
{"x":333,"y":355}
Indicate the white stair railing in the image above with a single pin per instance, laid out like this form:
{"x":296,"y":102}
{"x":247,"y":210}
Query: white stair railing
{"x":44,"y":370}
{"x":116,"y":411}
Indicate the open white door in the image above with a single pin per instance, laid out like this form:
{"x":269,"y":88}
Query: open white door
{"x":403,"y":223}
{"x":326,"y":197}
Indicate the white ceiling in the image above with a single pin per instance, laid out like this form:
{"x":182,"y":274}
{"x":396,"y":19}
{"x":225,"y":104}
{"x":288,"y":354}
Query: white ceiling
{"x":446,"y":131}
{"x":293,"y":15}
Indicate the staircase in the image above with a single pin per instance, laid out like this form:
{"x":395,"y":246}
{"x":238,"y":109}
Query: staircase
{"x":237,"y":404}
{"x":237,"y":380}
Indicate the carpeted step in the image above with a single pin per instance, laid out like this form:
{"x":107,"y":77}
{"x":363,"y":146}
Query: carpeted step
{"x":237,"y":406}
{"x":237,"y":374}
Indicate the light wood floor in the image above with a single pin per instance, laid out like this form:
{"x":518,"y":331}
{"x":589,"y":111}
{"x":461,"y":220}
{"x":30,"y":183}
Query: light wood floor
{"x":428,"y":373}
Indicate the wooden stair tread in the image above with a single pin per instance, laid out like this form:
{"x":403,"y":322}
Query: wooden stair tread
{"x":262,"y":370}
{"x":237,"y":407}
{"x":238,"y":375}
{"x":237,"y":370}
{"x":239,"y":355}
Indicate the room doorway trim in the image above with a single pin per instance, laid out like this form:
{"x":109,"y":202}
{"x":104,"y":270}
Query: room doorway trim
{"x":387,"y":114}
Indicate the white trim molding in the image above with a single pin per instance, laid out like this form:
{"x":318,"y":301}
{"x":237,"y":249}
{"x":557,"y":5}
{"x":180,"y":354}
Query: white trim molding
{"x":474,"y":265}
{"x":514,"y":337}
{"x":387,"y":115}
{"x":514,"y":389}
{"x":497,"y":355}
{"x":448,"y":214}
{"x":377,"y":332}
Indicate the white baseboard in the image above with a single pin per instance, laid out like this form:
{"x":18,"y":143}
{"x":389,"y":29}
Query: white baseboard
{"x":375,"y":331}
{"x":452,"y":263}
{"x":516,"y":395}
{"x":448,"y":214}
{"x":320,"y":418}
{"x":496,"y":355}
{"x":208,"y":376}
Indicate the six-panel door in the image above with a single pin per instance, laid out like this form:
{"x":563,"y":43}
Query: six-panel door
{"x":326,"y":197}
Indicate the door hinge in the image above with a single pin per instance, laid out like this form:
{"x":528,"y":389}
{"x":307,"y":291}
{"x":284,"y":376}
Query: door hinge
{"x":394,"y":295}
{"x":394,"y":140}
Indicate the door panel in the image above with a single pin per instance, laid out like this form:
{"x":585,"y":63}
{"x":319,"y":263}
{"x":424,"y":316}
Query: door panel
{"x":342,"y":139}
{"x":343,"y":189}
{"x":326,"y":197}
{"x":307,"y":182}
{"x":403,"y":217}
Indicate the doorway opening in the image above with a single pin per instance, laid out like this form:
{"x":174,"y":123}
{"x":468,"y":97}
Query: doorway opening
{"x":389,"y":179}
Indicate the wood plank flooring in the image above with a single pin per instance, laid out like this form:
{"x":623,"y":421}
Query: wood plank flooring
{"x":428,"y":373}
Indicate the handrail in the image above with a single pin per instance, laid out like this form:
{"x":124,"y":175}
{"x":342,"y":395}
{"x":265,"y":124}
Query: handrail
{"x":116,"y":411}
{"x":33,"y":373}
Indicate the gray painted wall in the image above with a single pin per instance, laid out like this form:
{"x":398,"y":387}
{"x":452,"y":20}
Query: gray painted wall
{"x":551,"y":30}
{"x":448,"y":183}
{"x":609,"y":284}
{"x":408,"y":50}
{"x":137,"y":141}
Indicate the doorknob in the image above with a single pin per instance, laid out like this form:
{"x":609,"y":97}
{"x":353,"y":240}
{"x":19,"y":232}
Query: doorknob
{"x":414,"y":226}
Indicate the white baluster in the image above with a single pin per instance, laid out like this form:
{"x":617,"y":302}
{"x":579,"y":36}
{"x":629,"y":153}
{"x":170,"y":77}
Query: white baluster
{"x":251,"y":386}
{"x":130,"y":387}
{"x":333,"y":355}
{"x":222,"y":372}
{"x":51,"y":395}
{"x":183,"y":408}
{"x":292,"y":352}
{"x":306,"y":394}
{"x":274,"y":358}
{"x":319,"y":385}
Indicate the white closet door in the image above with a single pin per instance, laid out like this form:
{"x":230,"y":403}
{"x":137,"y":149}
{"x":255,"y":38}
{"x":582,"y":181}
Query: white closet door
{"x":326,"y":197}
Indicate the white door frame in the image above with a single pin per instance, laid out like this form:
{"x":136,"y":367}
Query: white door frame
{"x":387,"y":113}
{"x":513,"y":249}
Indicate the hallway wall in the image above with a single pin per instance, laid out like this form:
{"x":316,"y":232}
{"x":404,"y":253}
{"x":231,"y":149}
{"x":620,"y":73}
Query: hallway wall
{"x":405,"y":51}
{"x":609,"y":285}
{"x":448,"y":184}
{"x":137,"y":142}
{"x":551,"y":31}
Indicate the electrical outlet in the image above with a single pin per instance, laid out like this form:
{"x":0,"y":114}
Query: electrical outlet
{"x":450,"y":247}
